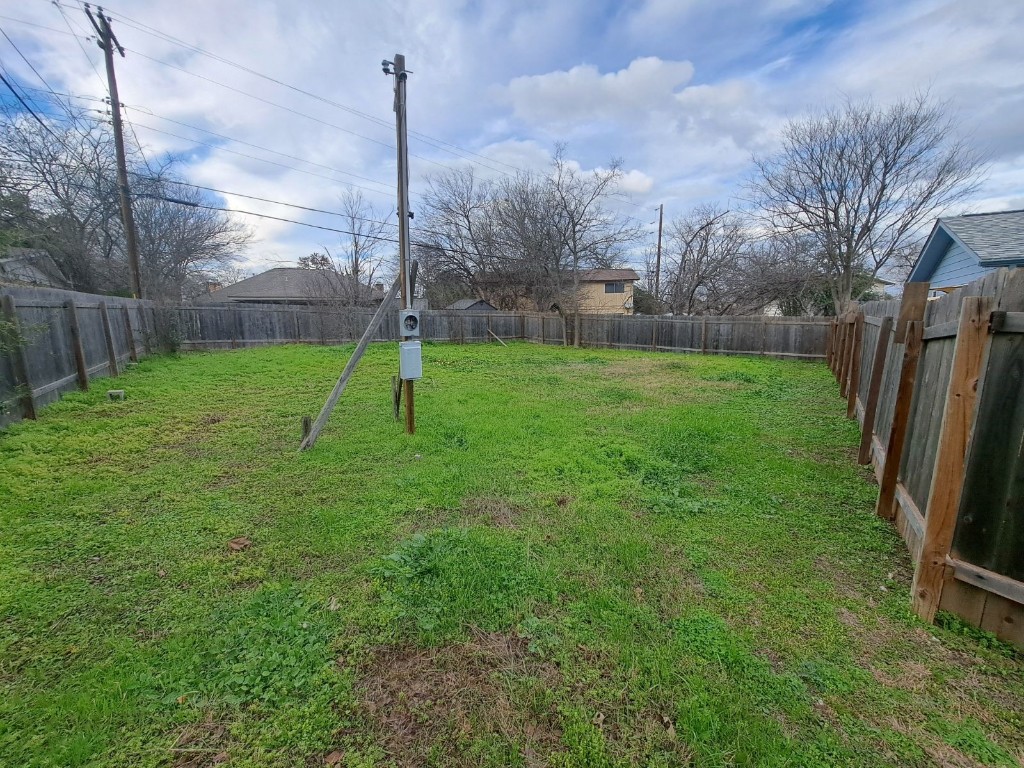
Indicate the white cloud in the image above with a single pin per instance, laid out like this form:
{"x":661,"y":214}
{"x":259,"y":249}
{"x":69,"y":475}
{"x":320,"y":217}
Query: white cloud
{"x":684,"y":91}
{"x":583,"y":93}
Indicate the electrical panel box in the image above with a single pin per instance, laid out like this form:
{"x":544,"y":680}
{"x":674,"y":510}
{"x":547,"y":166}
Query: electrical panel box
{"x":410,"y":360}
{"x":409,"y":322}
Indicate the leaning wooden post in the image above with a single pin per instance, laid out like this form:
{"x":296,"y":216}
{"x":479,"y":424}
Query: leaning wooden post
{"x":108,"y":337}
{"x":972,"y":345}
{"x":76,"y":344}
{"x":867,"y":432}
{"x":855,"y":362}
{"x":309,"y":440}
{"x":19,"y":364}
{"x":900,"y":420}
{"x":129,"y":334}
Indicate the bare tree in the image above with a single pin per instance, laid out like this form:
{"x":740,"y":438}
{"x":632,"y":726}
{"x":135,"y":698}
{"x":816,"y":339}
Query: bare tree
{"x":181,"y":243}
{"x":703,"y":261}
{"x":347,"y":279}
{"x":590,"y":234}
{"x":863,"y":180}
{"x":522,"y":239}
{"x":65,"y":171}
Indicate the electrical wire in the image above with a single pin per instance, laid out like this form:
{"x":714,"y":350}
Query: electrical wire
{"x":454,"y":149}
{"x":219,"y":148}
{"x":280,"y":106}
{"x":257,"y":146}
{"x":28,"y":109}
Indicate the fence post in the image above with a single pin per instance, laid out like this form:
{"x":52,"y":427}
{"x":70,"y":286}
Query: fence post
{"x":147,"y":342}
{"x":829,"y":339}
{"x":900,"y":418}
{"x":108,"y":337}
{"x":972,"y":345}
{"x":76,"y":344}
{"x":838,"y":355}
{"x":19,"y":365}
{"x":867,"y":432}
{"x":129,"y":334}
{"x":296,"y":326}
{"x":704,"y":334}
{"x":858,"y":349}
{"x":844,"y":367}
{"x":764,"y":333}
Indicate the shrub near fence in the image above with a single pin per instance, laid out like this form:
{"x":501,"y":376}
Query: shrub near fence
{"x":936,"y":386}
{"x":70,"y":338}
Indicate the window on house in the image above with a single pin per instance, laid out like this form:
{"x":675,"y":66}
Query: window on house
{"x":615,"y":287}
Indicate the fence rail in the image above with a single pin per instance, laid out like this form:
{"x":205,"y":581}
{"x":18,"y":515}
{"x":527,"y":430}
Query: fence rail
{"x":68,"y":338}
{"x":936,"y":386}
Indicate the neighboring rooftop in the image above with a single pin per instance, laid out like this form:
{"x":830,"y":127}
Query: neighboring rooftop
{"x":294,"y":284}
{"x":30,"y":266}
{"x":608,"y":275}
{"x":464,"y":304}
{"x":995,"y":237}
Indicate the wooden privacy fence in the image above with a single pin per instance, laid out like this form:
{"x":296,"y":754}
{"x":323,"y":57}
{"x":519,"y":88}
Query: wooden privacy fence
{"x":228,"y":326}
{"x":936,"y":387}
{"x":57,"y":341}
{"x":67,"y":338}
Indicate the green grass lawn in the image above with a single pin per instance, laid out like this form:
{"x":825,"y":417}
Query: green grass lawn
{"x":582,"y":558}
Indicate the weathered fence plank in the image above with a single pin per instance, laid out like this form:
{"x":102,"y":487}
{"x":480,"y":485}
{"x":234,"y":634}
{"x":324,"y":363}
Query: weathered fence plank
{"x":948,"y":476}
{"x":76,"y":344}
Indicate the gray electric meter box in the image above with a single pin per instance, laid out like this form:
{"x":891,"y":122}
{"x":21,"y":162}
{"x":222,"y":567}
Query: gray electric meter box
{"x":409,"y":322}
{"x":410,"y":360}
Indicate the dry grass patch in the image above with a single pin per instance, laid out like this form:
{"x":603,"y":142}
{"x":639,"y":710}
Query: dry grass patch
{"x":429,"y":705}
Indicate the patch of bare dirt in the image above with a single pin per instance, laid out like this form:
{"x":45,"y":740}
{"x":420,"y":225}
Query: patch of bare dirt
{"x":201,"y":745}
{"x":492,"y":510}
{"x":907,"y":676}
{"x":434,"y":702}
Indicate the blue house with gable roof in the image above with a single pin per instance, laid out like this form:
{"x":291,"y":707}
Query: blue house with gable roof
{"x":961,"y":249}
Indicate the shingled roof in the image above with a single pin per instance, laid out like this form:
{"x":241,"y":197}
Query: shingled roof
{"x":607,"y":275}
{"x":292,"y":284}
{"x":996,"y":238}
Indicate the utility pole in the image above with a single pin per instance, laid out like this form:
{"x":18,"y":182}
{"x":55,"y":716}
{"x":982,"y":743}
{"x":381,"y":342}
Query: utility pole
{"x":657,"y":261}
{"x":108,"y":42}
{"x":397,"y":68}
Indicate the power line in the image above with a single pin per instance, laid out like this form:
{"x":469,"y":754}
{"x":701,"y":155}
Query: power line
{"x":257,"y":146}
{"x":27,"y":107}
{"x":25,"y":59}
{"x":78,"y":39}
{"x":219,"y":148}
{"x":452,"y":148}
{"x":277,"y":105}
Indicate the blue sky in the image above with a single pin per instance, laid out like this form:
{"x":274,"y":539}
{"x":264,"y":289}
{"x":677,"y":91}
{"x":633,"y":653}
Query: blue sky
{"x":683,"y":91}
